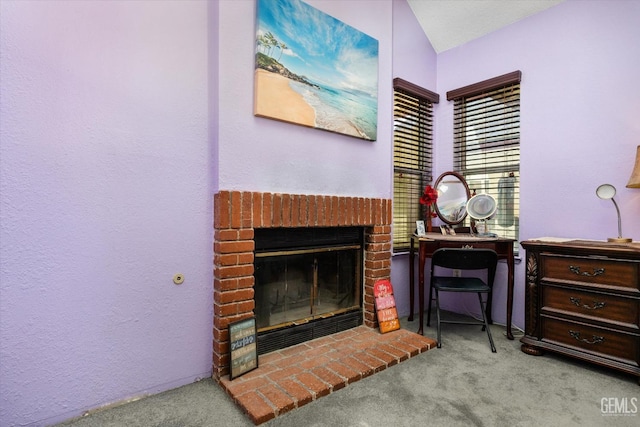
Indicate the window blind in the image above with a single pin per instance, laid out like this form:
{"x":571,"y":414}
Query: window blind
{"x":412,"y":156}
{"x":487,"y":145}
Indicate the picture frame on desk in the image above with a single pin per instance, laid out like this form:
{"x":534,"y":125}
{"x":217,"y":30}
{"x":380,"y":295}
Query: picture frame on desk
{"x":447,"y":230}
{"x":420,"y":230}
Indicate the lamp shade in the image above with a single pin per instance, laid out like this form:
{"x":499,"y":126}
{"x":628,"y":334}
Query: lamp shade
{"x":634,"y":181}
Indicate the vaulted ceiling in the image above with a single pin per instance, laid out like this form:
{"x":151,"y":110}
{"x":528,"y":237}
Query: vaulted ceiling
{"x":451,"y":23}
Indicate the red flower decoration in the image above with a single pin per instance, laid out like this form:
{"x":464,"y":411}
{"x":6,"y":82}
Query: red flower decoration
{"x":429,"y":196}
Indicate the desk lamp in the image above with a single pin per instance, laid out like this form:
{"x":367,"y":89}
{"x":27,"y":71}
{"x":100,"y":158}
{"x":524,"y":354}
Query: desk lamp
{"x":607,"y":191}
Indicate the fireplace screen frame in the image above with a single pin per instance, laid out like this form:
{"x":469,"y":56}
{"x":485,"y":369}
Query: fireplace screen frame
{"x":324,"y":296}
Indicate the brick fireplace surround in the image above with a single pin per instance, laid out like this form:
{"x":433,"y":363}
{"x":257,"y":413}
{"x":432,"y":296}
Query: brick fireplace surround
{"x":238,"y":213}
{"x":289,"y":378}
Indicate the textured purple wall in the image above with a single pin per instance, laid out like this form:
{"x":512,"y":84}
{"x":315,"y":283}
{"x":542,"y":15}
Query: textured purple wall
{"x":111,"y":125}
{"x":579,"y":118}
{"x":118,"y":125}
{"x":259,"y":154}
{"x":579,"y":124}
{"x":106,"y":195}
{"x":414,"y":60}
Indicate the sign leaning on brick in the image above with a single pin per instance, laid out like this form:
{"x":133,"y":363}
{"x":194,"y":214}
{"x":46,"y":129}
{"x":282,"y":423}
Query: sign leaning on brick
{"x":386,"y":306}
{"x":243,"y":347}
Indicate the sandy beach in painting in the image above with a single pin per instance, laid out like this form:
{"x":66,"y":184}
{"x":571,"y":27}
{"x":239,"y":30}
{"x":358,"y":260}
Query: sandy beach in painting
{"x":275,"y":99}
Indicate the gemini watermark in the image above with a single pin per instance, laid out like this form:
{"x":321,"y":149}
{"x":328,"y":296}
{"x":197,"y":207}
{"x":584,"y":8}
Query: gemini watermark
{"x":619,"y":406}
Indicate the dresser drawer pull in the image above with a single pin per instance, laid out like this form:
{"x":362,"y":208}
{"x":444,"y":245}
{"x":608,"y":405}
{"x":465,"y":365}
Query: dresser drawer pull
{"x":596,"y":339}
{"x":596,"y":271}
{"x":467,"y":247}
{"x":595,"y":306}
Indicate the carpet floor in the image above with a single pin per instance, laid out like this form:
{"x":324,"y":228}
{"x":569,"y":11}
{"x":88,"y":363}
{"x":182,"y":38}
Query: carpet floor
{"x":460,"y":384}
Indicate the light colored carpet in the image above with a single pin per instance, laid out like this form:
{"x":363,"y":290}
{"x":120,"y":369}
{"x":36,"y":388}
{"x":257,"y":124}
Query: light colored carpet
{"x":461,"y":384}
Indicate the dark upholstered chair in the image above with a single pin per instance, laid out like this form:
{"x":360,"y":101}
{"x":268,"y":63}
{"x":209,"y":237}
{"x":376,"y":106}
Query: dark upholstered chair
{"x":462,"y":259}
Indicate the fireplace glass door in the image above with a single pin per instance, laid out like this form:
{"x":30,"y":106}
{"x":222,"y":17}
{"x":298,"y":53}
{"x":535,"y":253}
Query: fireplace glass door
{"x":297,"y":286}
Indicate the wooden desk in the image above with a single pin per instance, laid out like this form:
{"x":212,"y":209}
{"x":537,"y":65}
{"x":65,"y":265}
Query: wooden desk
{"x":433,"y":241}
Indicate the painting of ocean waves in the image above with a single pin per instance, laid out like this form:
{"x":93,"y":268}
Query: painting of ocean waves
{"x":330,"y":69}
{"x":340,"y":111}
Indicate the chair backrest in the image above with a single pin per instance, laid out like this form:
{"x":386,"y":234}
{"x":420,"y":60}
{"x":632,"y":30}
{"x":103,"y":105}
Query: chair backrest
{"x":466,"y":259}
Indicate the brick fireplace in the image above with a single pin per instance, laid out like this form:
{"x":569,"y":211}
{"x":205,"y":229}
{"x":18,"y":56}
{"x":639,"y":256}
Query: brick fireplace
{"x":238,"y":213}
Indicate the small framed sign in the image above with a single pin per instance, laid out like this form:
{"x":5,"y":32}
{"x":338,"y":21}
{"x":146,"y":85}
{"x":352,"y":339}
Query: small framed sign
{"x":385,"y":306}
{"x":243,"y":347}
{"x":420,"y":230}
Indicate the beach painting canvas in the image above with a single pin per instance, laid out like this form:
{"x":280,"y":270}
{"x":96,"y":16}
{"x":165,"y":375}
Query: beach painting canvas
{"x":314,"y":70}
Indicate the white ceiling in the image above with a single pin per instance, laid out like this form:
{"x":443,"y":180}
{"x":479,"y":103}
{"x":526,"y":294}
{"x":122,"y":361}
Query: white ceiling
{"x":450,"y":23}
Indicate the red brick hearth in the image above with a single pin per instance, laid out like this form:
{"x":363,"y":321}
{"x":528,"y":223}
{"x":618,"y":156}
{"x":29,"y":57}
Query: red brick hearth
{"x":293,"y":377}
{"x":238,"y":213}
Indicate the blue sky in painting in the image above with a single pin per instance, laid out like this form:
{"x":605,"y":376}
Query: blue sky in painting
{"x":320,"y":47}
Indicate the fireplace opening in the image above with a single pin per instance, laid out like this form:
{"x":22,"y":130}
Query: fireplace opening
{"x":308,"y":283}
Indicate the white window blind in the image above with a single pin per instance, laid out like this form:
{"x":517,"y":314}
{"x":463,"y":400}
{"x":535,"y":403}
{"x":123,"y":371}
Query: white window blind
{"x":412,"y":156}
{"x":487,"y":145}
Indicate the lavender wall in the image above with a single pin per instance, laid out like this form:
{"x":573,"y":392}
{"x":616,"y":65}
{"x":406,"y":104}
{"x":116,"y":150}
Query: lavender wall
{"x":260,"y":154}
{"x":118,"y":125}
{"x":120,"y":120}
{"x":106,"y":194}
{"x":579,"y":118}
{"x":414,"y":60}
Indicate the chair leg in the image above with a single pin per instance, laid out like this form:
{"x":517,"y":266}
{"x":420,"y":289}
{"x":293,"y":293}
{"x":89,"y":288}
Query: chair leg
{"x":429,"y":306}
{"x":438,"y":318}
{"x":488,"y":306}
{"x":486,"y":324}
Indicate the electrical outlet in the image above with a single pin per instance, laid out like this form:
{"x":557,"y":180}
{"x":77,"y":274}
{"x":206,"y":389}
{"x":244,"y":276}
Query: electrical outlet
{"x":457,"y":273}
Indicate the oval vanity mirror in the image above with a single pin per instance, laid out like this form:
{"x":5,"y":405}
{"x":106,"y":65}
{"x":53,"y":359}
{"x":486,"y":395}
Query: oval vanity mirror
{"x":453,"y":194}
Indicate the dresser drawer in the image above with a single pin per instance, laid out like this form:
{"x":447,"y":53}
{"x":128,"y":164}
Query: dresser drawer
{"x":582,"y":300}
{"x":598,"y":341}
{"x":622,"y":311}
{"x":596,"y":271}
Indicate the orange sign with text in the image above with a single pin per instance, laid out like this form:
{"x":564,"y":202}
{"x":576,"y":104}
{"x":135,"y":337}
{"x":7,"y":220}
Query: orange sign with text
{"x":385,"y":306}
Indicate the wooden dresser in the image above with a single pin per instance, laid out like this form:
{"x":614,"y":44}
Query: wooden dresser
{"x":583,"y":300}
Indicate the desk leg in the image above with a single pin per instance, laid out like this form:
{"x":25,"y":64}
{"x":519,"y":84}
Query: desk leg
{"x":421,"y":260}
{"x":411,"y":281}
{"x":510,"y":264}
